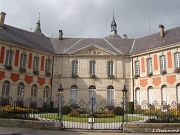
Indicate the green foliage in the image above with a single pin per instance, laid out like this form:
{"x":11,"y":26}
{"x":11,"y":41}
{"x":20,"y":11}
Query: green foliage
{"x":66,"y":110}
{"x":118,"y":111}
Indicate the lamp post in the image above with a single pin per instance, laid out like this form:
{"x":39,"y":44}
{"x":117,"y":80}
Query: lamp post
{"x":60,"y":93}
{"x":124,"y":90}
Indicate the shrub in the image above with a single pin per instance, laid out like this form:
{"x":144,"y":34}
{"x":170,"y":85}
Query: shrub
{"x":74,"y":106}
{"x":19,"y":103}
{"x":66,"y":110}
{"x":33,"y":104}
{"x":118,"y":111}
{"x":4,"y":102}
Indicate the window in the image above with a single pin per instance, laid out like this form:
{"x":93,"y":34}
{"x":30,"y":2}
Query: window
{"x":149,"y":65}
{"x":163,"y":62}
{"x":20,"y":91}
{"x":74,"y":67}
{"x":74,"y":89}
{"x":164,"y":94}
{"x":110,"y":95}
{"x":23,"y":61}
{"x":36,"y":64}
{"x":177,"y":59}
{"x":150,"y":95}
{"x":9,"y":58}
{"x":5,"y":89}
{"x":92,"y":95}
{"x":178,"y":93}
{"x":138,"y":96}
{"x":110,"y":68}
{"x":46,"y":93}
{"x":47,"y":66}
{"x":34,"y":92}
{"x":137,"y":68}
{"x":92,"y":67}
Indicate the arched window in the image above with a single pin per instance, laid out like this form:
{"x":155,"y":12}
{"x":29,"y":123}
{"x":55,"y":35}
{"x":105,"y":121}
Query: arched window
{"x":20,"y":90}
{"x":110,"y":95}
{"x":138,"y":96}
{"x":46,"y":93}
{"x":34,"y":92}
{"x":178,"y":93}
{"x":150,"y":95}
{"x":74,"y":89}
{"x":5,"y":89}
{"x":92,"y":92}
{"x":164,"y":94}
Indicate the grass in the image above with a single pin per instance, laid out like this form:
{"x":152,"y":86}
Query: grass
{"x":97,"y":120}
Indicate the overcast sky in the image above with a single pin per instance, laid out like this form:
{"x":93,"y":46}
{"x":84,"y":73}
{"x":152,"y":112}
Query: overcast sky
{"x":92,"y":18}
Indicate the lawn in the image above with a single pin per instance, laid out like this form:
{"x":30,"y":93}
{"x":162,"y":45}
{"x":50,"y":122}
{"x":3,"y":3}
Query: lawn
{"x":97,"y":120}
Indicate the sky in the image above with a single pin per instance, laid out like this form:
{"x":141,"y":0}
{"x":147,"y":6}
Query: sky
{"x":92,"y":18}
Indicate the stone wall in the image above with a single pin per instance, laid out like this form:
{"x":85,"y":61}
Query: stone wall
{"x":46,"y":125}
{"x":151,"y":127}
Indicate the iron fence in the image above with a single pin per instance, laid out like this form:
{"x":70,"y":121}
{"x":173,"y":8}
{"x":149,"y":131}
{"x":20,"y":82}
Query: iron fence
{"x":89,"y":114}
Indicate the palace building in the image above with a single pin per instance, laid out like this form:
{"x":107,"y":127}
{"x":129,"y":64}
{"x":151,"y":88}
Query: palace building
{"x":32,"y":66}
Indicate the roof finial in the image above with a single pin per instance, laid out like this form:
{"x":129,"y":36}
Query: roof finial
{"x":113,"y":25}
{"x":38,"y":27}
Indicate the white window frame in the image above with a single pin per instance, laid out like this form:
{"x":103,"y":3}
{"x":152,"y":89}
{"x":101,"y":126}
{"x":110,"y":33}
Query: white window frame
{"x":163,"y":62}
{"x":36,"y":64}
{"x":48,"y":66}
{"x":74,"y":94}
{"x":5,"y":89}
{"x":150,"y":95}
{"x":9,"y":57}
{"x":110,"y":68}
{"x":92,"y":67}
{"x":149,"y":65}
{"x":20,"y":91}
{"x":46,"y":93}
{"x":165,"y":94}
{"x":74,"y":67}
{"x":138,"y":96}
{"x":34,"y":92}
{"x":110,"y":95}
{"x":23,"y":60}
{"x":137,"y":67}
{"x":177,"y":59}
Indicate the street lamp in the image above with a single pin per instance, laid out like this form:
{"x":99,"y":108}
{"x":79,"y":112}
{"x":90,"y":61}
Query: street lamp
{"x":124,"y":90}
{"x":60,"y":94}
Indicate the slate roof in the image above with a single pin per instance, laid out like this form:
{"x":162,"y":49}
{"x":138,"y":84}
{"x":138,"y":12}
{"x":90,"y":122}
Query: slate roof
{"x":155,"y":41}
{"x":69,"y":45}
{"x":117,"y":45}
{"x":26,"y":39}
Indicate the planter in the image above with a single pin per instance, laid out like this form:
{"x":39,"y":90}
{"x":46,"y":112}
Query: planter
{"x":36,"y":72}
{"x":9,"y":67}
{"x":111,"y":76}
{"x":177,"y":70}
{"x":22,"y":70}
{"x":47,"y":74}
{"x":92,"y":76}
{"x":74,"y":75}
{"x":136,"y":76}
{"x":163,"y":72}
{"x":149,"y":74}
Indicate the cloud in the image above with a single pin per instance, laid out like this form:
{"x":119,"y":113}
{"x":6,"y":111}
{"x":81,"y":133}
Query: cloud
{"x":92,"y":18}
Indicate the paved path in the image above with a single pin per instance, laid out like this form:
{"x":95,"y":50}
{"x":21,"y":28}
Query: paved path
{"x":28,"y":131}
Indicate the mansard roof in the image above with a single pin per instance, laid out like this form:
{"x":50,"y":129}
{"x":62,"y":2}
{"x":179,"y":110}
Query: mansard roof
{"x":26,"y":39}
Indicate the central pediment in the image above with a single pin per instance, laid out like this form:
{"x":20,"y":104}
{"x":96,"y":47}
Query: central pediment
{"x":93,"y":50}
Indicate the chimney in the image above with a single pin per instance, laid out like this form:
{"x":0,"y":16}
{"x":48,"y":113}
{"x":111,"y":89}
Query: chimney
{"x":60,"y":34}
{"x":2,"y":18}
{"x":161,"y":30}
{"x":125,"y":36}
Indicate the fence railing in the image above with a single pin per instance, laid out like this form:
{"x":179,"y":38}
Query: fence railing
{"x":89,"y":115}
